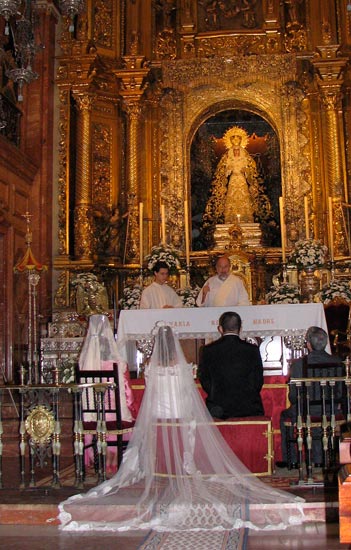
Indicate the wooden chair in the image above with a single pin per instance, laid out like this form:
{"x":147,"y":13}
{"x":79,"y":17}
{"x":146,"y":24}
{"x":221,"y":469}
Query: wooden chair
{"x":322,"y":404}
{"x":98,"y":413}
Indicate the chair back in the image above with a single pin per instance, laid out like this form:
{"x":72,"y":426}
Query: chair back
{"x":91,"y":403}
{"x":241,"y":267}
{"x":324,"y":395}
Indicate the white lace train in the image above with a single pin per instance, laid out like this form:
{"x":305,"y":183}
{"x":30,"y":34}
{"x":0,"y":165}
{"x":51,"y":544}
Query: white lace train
{"x":178,"y":473}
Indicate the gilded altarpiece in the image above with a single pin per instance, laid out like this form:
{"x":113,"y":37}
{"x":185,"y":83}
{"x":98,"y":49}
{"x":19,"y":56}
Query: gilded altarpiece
{"x":147,"y":93}
{"x":266,"y":86}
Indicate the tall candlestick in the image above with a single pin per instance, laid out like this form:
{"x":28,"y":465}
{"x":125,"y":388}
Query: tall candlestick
{"x":187,"y":238}
{"x":141,"y":208}
{"x":163,"y":224}
{"x":282,"y":228}
{"x":331,"y":236}
{"x":307,"y":221}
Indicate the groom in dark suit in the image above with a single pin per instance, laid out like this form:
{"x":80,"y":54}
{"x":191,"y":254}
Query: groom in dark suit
{"x":231,"y":372}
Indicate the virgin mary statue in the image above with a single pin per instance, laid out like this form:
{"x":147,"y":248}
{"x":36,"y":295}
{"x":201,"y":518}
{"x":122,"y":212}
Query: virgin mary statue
{"x":178,"y":473}
{"x":235,"y":189}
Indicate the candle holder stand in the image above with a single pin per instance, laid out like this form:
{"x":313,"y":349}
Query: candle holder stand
{"x":187,"y":276}
{"x":285,"y":273}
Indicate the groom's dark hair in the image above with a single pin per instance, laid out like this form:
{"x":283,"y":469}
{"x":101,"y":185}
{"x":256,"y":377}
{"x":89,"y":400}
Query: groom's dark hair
{"x":230,"y":322}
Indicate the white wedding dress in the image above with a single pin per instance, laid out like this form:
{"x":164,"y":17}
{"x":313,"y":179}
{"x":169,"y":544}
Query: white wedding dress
{"x":178,"y":473}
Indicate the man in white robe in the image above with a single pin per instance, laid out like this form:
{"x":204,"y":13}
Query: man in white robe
{"x":159,"y":295}
{"x":224,"y":288}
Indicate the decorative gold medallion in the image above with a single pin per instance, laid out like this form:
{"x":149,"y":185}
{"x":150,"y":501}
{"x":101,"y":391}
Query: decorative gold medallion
{"x":40,"y":424}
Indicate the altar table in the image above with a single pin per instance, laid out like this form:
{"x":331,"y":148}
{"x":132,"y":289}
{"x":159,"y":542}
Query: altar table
{"x":257,"y":321}
{"x":287,"y":321}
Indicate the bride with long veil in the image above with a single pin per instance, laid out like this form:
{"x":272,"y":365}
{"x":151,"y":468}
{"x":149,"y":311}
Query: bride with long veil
{"x":178,"y":473}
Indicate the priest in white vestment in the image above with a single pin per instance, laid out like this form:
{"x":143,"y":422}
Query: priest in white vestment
{"x":159,"y":295}
{"x":223,"y":289}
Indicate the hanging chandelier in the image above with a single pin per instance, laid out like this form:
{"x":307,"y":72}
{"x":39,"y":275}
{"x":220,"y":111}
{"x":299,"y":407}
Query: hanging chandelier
{"x":25,"y":50}
{"x":71,"y":8}
{"x":20,"y":28}
{"x":8,"y":8}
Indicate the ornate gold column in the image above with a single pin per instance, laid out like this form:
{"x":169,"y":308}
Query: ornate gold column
{"x":133,"y":78}
{"x":83,"y":230}
{"x":330,"y":78}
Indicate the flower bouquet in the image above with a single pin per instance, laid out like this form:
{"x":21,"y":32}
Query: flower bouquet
{"x":188,"y":295}
{"x":308,"y":253}
{"x":283,"y":294}
{"x":164,"y":253}
{"x":335,"y":291}
{"x":131,"y":297}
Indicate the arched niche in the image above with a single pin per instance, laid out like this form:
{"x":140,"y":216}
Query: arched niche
{"x":207,"y":147}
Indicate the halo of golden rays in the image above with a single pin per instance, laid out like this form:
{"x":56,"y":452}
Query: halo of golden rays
{"x":235,"y":131}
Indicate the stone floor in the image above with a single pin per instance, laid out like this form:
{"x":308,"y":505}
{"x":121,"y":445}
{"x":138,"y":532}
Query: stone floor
{"x":24,"y":514}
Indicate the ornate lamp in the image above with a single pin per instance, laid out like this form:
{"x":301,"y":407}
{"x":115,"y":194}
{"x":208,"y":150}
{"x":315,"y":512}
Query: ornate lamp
{"x":20,"y":26}
{"x":8,"y":8}
{"x":72,"y":8}
{"x":25,"y":50}
{"x":24,"y":47}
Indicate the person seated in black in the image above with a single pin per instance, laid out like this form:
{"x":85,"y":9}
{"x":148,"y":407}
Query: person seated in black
{"x":316,"y":342}
{"x":231,"y":372}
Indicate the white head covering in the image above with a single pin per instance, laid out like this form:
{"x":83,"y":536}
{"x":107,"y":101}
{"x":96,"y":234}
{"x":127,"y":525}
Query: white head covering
{"x":100,"y":347}
{"x":99,"y":344}
{"x":178,"y":473}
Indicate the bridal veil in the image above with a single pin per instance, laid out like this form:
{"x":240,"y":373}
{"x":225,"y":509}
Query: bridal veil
{"x":178,"y":473}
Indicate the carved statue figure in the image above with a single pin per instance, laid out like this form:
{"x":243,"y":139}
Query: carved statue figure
{"x":235,"y":185}
{"x":112,"y":234}
{"x":292,"y":6}
{"x":237,"y":193}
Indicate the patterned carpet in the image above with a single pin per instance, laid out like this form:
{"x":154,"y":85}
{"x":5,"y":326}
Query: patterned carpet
{"x":196,"y":540}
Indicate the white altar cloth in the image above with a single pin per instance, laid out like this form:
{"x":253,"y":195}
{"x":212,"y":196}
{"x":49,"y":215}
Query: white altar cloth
{"x":257,"y":321}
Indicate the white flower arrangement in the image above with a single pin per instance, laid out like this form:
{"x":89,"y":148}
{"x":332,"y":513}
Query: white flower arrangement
{"x":164,"y":253}
{"x":131,"y":297}
{"x":308,"y":253}
{"x":188,"y":295}
{"x":283,"y":294}
{"x":334,"y":291}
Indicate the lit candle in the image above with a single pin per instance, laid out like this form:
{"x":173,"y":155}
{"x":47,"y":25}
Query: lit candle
{"x":238,"y":218}
{"x":163,"y":224}
{"x":331,"y":236}
{"x":282,"y":228}
{"x":187,"y":238}
{"x":141,"y":207}
{"x":307,"y":221}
